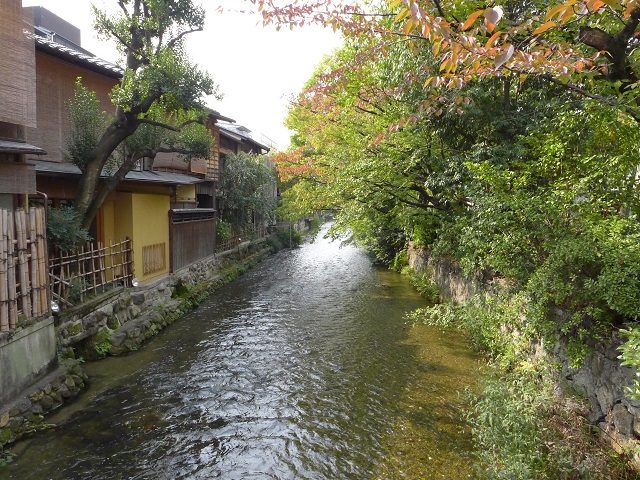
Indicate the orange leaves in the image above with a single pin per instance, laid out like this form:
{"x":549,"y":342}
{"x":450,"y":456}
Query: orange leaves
{"x":493,"y":39}
{"x":471,"y":19}
{"x":294,"y":164}
{"x":630,"y":7}
{"x":563,"y":12}
{"x":594,"y":5}
{"x":481,"y":45}
{"x":544,"y":27}
{"x":492,"y":16}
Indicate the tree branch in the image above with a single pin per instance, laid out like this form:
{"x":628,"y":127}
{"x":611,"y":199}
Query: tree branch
{"x":158,"y":124}
{"x":175,"y":40}
{"x":439,"y":7}
{"x":594,"y":96}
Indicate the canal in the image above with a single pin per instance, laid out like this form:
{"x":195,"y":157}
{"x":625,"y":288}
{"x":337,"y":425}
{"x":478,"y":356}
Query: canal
{"x":303,"y":368}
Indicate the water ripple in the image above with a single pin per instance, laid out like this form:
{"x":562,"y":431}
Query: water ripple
{"x":298,"y":370}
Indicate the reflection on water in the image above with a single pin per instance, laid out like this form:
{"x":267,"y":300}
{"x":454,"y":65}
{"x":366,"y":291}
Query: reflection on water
{"x":304,"y":368}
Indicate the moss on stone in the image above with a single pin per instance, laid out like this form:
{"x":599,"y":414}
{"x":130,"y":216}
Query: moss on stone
{"x":75,"y":329}
{"x":6,"y":436}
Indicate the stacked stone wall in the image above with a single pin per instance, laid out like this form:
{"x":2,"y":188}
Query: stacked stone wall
{"x":601,"y":379}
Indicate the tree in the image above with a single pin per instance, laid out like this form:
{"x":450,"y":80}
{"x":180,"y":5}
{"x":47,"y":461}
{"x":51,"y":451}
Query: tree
{"x":587,"y":46}
{"x":348,"y":160}
{"x":247,"y":192}
{"x":159,"y":98}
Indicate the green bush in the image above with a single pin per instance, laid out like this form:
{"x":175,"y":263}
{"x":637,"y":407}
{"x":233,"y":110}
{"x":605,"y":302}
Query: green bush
{"x":425,"y":286}
{"x":523,"y":431}
{"x":400,"y":261}
{"x":289,"y":237}
{"x":521,"y":428}
{"x":275,"y":244}
{"x":64,"y":229}
{"x":223,"y":231}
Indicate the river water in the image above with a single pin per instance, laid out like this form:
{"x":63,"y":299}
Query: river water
{"x":303,"y":368}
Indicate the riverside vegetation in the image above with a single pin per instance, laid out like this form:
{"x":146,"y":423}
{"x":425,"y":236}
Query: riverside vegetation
{"x":465,"y":138}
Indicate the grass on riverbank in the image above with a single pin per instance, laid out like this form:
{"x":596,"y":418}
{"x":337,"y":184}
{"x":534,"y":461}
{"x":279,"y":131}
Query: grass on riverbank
{"x":522,"y":427}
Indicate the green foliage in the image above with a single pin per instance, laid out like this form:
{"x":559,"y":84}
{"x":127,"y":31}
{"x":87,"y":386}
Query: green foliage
{"x":524,"y":431}
{"x":64,"y":229}
{"x":102,"y":348}
{"x":76,"y":289}
{"x":275,"y":243}
{"x":169,"y":129}
{"x":223,"y":231}
{"x":630,"y":356}
{"x":181,"y":290}
{"x":289,"y":237}
{"x":5,"y":457}
{"x":159,"y":101}
{"x":87,"y":123}
{"x":247,"y":192}
{"x":525,"y":183}
{"x":506,"y":420}
{"x":445,"y":315}
{"x":313,"y":225}
{"x":400,"y":261}
{"x":495,"y":325}
{"x":425,"y":286}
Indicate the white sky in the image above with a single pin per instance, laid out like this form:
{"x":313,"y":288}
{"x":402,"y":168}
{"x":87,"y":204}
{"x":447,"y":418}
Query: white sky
{"x":256,"y":68}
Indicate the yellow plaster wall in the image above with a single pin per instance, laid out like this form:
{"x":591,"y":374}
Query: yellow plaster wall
{"x":186,"y":193}
{"x":116,"y":217}
{"x":108,"y":221}
{"x":150,"y":224}
{"x":122,"y":216}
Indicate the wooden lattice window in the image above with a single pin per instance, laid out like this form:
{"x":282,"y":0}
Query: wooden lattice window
{"x":153,"y":258}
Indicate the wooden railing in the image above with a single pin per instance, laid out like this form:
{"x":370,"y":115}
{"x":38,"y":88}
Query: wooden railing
{"x":248,"y":233}
{"x":92,"y":269}
{"x":23,"y":266}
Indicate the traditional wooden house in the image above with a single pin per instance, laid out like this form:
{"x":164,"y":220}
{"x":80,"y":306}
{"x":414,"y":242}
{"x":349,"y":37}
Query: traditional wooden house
{"x":165,"y":206}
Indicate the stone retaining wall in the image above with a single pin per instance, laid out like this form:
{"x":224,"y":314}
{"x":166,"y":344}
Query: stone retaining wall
{"x":27,"y":414}
{"x":601,"y":379}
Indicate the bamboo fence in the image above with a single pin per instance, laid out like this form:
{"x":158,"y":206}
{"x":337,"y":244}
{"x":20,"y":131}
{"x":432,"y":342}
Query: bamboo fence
{"x":23,"y":266}
{"x":91,"y":269}
{"x":251,"y":232}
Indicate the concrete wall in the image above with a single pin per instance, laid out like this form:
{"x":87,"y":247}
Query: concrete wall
{"x":26,"y":355}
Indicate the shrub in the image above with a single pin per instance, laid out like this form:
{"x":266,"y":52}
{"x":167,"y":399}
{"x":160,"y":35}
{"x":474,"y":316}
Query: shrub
{"x":400,"y":261}
{"x":223,"y":231}
{"x":425,"y":286}
{"x":289,"y":237}
{"x":64,"y":229}
{"x":523,"y":430}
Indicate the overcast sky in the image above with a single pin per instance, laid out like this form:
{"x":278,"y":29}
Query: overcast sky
{"x":256,"y":68}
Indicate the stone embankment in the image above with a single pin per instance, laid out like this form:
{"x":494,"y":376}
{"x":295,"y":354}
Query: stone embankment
{"x":601,"y":379}
{"x":115,"y":323}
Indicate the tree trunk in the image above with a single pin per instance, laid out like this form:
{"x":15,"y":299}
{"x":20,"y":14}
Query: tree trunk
{"x":104,"y":192}
{"x":88,"y":187}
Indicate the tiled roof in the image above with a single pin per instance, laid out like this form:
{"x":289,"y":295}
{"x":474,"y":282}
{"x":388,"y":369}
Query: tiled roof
{"x":133,"y":176}
{"x":239,"y":131}
{"x":79,"y":58}
{"x":8,"y":146}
